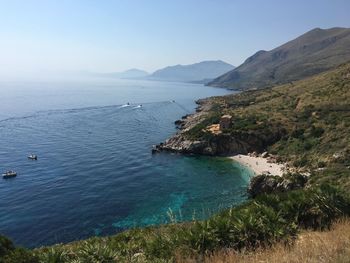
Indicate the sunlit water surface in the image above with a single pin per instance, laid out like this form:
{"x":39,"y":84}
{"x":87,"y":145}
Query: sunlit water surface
{"x":95,"y":174}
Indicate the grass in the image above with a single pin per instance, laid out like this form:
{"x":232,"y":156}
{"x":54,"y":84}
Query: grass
{"x":331,"y":246}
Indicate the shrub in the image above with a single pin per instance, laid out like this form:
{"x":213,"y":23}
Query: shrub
{"x":296,"y":179}
{"x":298,"y":133}
{"x":253,"y":226}
{"x":21,"y":255}
{"x":97,"y":252}
{"x":53,"y":255}
{"x":6,"y":246}
{"x":314,"y":208}
{"x":160,"y":245}
{"x":246,"y":227}
{"x":300,"y":162}
{"x":316,"y":131}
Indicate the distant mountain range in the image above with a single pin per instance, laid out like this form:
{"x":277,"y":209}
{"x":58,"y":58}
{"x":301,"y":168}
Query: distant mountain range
{"x":128,"y":74}
{"x":132,"y":74}
{"x":313,"y":52}
{"x":201,"y":72}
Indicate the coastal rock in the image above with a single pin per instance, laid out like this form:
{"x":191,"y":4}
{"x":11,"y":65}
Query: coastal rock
{"x":222,"y":144}
{"x":267,"y":184}
{"x":179,"y":124}
{"x":262,"y":184}
{"x":215,"y":144}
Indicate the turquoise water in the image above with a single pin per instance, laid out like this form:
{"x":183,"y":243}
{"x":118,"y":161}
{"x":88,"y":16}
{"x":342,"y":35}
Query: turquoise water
{"x":95,"y":174}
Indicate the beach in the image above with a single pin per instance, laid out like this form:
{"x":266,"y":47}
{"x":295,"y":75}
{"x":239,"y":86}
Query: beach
{"x":259,"y":165}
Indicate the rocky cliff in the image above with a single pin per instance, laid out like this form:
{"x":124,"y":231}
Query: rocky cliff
{"x":214,"y":144}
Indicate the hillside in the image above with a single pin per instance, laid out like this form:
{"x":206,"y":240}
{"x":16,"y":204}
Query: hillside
{"x":199,"y":72}
{"x":313,"y":52}
{"x":305,"y":123}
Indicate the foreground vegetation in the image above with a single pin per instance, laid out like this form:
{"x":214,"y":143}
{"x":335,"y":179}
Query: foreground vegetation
{"x":259,"y":223}
{"x":307,"y":124}
{"x":311,"y":246}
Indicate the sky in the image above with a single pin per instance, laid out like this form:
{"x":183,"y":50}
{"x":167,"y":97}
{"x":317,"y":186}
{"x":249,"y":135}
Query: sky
{"x":108,"y":36}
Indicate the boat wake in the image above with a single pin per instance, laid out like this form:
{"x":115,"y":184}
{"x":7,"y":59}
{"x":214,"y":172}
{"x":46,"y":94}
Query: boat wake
{"x":125,"y":105}
{"x":90,"y":108}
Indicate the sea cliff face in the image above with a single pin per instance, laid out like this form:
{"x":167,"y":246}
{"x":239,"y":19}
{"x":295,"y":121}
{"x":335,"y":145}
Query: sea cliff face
{"x":222,"y":144}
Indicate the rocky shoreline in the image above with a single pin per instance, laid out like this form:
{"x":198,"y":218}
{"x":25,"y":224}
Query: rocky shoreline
{"x":222,"y":144}
{"x":178,"y":142}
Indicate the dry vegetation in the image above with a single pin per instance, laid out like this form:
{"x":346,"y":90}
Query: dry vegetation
{"x":310,"y":246}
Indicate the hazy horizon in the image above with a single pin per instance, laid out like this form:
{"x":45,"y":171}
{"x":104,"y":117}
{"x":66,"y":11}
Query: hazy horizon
{"x":46,"y":37}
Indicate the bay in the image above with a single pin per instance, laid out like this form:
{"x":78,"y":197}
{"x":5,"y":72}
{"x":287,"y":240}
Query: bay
{"x":95,"y":174}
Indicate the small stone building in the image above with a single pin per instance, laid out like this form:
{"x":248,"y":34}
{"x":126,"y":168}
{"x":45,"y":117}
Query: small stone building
{"x":225,"y":122}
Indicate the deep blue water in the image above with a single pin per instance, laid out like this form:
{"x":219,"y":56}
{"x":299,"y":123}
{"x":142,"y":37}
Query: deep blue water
{"x":95,"y":174}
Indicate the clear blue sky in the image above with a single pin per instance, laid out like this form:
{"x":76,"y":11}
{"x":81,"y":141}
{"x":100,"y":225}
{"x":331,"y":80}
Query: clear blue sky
{"x":106,"y":36}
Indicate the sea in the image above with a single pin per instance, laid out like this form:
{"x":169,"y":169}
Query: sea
{"x":95,"y":174}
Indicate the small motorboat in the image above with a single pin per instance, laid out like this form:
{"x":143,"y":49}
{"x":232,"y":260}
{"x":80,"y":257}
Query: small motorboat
{"x":138,"y":106}
{"x":9,"y":174}
{"x":125,"y":105}
{"x":33,"y":157}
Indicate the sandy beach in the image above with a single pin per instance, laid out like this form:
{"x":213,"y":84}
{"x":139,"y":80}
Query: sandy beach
{"x":259,"y":165}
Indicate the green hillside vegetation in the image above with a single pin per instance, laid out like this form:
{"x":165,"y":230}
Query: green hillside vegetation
{"x":311,"y":121}
{"x":314,"y":52}
{"x":305,"y":123}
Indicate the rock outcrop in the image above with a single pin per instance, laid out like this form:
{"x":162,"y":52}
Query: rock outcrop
{"x":266,"y":184}
{"x":215,"y":144}
{"x":222,"y":144}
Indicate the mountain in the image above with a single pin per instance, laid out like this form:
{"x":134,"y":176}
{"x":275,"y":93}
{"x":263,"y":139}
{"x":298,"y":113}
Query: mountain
{"x":132,"y":74}
{"x":199,"y":72}
{"x":128,"y":74}
{"x":313,"y":52}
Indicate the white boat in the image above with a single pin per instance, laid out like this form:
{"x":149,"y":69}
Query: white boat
{"x":33,"y":157}
{"x":9,"y":174}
